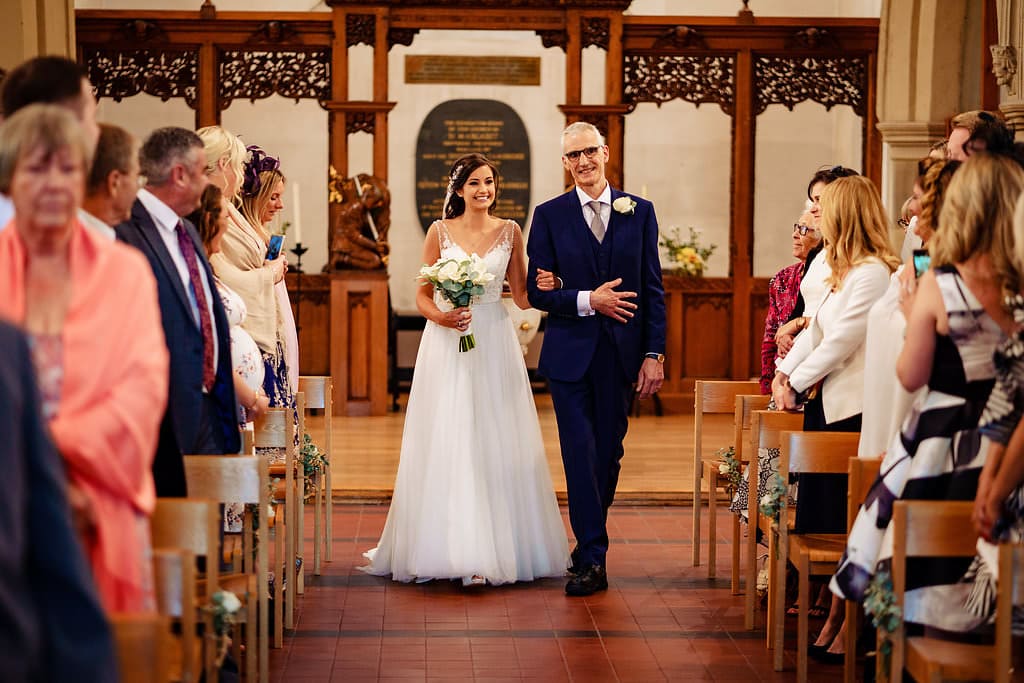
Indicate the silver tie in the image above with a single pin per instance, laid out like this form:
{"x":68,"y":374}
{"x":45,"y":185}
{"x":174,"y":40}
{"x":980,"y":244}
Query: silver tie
{"x":596,"y":224}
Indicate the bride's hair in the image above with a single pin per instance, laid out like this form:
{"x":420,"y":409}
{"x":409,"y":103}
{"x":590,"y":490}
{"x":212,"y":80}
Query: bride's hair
{"x":454,"y":205}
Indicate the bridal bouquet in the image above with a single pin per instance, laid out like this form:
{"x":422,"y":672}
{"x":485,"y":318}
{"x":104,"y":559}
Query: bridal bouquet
{"x":459,"y":282}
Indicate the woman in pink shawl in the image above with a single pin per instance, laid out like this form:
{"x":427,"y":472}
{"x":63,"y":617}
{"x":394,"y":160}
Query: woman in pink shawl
{"x":90,"y":308}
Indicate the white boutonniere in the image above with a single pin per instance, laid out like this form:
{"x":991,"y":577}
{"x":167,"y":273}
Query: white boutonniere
{"x":624,"y":205}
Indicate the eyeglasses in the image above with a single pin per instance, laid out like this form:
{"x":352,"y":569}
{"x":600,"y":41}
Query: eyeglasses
{"x":802,"y":229}
{"x":574,"y":155}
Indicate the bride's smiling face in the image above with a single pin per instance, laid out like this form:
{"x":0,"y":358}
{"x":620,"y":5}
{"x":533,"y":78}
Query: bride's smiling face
{"x":480,"y":190}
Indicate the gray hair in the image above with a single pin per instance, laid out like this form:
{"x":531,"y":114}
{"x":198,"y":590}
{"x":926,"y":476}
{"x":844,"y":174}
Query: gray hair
{"x":51,"y":127}
{"x":163,"y":149}
{"x":582,"y":127}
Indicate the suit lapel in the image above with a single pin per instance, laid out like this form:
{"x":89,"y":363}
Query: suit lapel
{"x":151,"y":234}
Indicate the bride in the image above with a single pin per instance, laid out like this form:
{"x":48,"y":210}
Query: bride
{"x":473,"y":498}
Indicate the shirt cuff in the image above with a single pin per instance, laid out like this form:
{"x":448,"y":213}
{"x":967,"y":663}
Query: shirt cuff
{"x":583,"y":303}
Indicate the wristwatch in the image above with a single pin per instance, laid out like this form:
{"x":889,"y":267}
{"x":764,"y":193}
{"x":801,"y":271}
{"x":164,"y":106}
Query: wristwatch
{"x":660,"y":357}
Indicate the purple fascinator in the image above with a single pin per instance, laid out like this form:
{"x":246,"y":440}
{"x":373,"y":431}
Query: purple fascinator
{"x":258,"y":162}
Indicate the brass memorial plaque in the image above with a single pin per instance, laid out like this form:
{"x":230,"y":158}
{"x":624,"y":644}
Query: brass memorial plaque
{"x":483,"y":70}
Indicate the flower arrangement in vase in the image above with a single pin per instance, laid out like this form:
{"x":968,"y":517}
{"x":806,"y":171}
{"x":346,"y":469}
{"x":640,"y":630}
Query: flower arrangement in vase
{"x":687,"y":256}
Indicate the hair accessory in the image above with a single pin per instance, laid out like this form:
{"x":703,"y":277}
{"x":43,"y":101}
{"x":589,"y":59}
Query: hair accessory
{"x":257,"y":163}
{"x":451,"y":189}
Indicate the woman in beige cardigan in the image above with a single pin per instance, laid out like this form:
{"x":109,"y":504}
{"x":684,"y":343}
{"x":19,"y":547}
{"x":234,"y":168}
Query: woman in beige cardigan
{"x":241,"y":263}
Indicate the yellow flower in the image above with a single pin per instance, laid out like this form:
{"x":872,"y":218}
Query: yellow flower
{"x":689,"y":252}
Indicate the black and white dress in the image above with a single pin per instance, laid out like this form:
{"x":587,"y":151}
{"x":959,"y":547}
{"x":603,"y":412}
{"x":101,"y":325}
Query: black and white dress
{"x":938,"y":455}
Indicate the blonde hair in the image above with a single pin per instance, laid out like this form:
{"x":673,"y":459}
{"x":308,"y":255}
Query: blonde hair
{"x":855,"y":227}
{"x":219,"y":144}
{"x":978,"y":216}
{"x":938,"y":173}
{"x":252,"y":206}
{"x":49,"y":126}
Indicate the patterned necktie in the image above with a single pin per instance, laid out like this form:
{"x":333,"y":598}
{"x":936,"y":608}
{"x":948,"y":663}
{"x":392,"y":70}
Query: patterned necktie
{"x":188,"y":250}
{"x":596,"y":224}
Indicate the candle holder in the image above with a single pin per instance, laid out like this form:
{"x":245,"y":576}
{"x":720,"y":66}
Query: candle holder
{"x":298,"y":250}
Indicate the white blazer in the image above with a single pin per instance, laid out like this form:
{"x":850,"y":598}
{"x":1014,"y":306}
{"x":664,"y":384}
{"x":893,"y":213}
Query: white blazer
{"x":832,"y":348}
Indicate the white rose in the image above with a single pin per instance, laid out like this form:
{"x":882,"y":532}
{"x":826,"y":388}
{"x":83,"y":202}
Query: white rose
{"x":624,"y":205}
{"x":230,"y":602}
{"x":723,"y":468}
{"x":766,"y":500}
{"x":449,"y":271}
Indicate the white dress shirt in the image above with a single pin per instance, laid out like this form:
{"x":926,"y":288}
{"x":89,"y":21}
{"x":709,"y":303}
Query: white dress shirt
{"x":167,"y":224}
{"x":583,"y":306}
{"x":96,"y":224}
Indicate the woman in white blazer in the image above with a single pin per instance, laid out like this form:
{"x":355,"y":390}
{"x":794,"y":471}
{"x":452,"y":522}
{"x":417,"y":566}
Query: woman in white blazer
{"x":826,"y":363}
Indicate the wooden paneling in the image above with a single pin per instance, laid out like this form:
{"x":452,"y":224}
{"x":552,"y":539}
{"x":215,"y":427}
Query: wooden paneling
{"x":359,"y":348}
{"x":310,"y":299}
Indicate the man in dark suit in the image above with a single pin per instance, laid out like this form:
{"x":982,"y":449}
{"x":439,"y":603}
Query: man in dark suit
{"x":599,"y":339}
{"x":52,"y":626}
{"x":201,"y":417}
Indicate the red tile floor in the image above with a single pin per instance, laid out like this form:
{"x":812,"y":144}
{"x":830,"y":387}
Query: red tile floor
{"x":660,"y":620}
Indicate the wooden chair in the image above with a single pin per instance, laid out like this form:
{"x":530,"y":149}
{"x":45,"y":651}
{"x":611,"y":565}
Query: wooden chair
{"x":174,"y":580}
{"x":863,"y":473}
{"x":766,"y":427}
{"x":710,"y":398}
{"x":813,"y":554}
{"x":274,"y":430}
{"x":745,"y":406}
{"x":943,"y":529}
{"x":141,"y":640}
{"x":298,"y":517}
{"x":242,"y":479}
{"x":318,"y":391}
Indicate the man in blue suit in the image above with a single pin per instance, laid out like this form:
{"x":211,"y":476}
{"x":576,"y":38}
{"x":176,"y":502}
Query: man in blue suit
{"x":202,"y":416}
{"x":605,"y":333}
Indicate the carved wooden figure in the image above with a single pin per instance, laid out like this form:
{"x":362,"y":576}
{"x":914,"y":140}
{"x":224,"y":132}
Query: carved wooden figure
{"x":359,"y":236}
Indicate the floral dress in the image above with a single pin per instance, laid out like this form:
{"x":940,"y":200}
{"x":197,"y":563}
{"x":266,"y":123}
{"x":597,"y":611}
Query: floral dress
{"x":783,"y":290}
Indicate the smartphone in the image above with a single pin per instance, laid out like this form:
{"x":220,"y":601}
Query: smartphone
{"x":922,"y":262}
{"x":274,"y":249}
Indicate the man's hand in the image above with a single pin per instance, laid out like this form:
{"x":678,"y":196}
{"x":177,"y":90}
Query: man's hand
{"x":606,"y":301}
{"x":652,"y":374}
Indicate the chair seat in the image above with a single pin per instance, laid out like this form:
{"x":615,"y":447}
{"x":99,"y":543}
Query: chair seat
{"x":819,"y":548}
{"x":952,"y":661}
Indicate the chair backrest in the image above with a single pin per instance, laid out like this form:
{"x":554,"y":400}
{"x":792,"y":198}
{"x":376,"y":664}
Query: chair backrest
{"x":174,"y":582}
{"x":863,"y":473}
{"x":273,"y":430}
{"x":746,"y":404}
{"x":227,"y":478}
{"x":766,"y":427}
{"x":925,"y":528}
{"x":714,"y":397}
{"x":187,"y":524}
{"x":819,"y":452}
{"x":142,"y":641}
{"x":248,"y":446}
{"x":315,"y":389}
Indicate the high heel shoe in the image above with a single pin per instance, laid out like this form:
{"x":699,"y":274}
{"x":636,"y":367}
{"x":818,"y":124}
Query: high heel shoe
{"x":816,"y":651}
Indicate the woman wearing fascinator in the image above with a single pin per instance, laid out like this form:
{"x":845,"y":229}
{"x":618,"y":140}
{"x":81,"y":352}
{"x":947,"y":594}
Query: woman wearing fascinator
{"x":242,"y":263}
{"x":473,"y":499}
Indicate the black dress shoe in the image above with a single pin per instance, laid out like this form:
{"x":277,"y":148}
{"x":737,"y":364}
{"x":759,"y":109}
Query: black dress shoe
{"x":575,"y":568}
{"x":587,"y":582}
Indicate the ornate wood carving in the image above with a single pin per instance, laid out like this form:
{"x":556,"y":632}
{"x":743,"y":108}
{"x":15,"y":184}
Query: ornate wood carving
{"x":401,"y":36}
{"x":697,"y":79}
{"x":826,"y":80}
{"x":360,"y":28}
{"x":812,"y":38}
{"x":142,"y":31}
{"x":273,"y":32}
{"x":596,"y":31}
{"x":553,"y":38}
{"x":680,"y":37}
{"x":291,"y":74}
{"x":359,"y":121}
{"x":162,"y":73}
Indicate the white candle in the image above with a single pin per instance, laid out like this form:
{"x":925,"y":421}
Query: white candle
{"x":296,"y":213}
{"x":643,"y":191}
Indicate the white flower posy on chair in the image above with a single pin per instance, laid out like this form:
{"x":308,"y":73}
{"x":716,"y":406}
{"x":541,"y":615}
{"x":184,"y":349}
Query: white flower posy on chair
{"x":458,"y":282}
{"x":624,"y":205}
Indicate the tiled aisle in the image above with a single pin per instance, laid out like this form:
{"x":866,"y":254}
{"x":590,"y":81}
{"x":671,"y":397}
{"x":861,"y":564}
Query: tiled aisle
{"x":660,"y":620}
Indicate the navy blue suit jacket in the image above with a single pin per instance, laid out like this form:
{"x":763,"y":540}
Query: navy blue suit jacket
{"x":52,"y":627}
{"x":560,"y":240}
{"x":185,"y":341}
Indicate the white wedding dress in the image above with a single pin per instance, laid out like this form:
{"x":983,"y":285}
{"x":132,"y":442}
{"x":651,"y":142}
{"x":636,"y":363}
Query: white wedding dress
{"x":473,"y":497}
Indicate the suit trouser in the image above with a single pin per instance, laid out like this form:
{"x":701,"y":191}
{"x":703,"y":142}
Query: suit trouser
{"x":592,"y":416}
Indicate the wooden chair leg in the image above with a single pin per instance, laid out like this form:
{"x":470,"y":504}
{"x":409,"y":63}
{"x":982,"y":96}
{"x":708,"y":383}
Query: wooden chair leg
{"x":712,"y":523}
{"x":779,"y":604}
{"x":803,"y":598}
{"x":772,"y":594}
{"x":328,"y":507}
{"x":852,"y":611}
{"x":318,"y":529}
{"x":735,"y":583}
{"x":750,"y":600}
{"x":696,"y":509}
{"x":300,"y":531}
{"x":279,"y":560}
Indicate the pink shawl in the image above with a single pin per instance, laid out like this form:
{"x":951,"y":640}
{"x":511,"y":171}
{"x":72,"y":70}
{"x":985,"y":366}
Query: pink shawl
{"x":113,"y":396}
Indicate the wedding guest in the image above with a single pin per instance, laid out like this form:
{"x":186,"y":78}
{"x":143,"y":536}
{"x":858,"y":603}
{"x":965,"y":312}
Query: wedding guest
{"x":113,"y":181}
{"x":956,"y":321}
{"x":201,"y":416}
{"x":978,"y":130}
{"x":89,"y":306}
{"x":241,"y":263}
{"x":52,"y":627}
{"x":783,"y":290}
{"x":262,"y":201}
{"x":48,"y":80}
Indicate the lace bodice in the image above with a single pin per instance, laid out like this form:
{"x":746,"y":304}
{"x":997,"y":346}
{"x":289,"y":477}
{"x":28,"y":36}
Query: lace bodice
{"x":496,"y":257}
